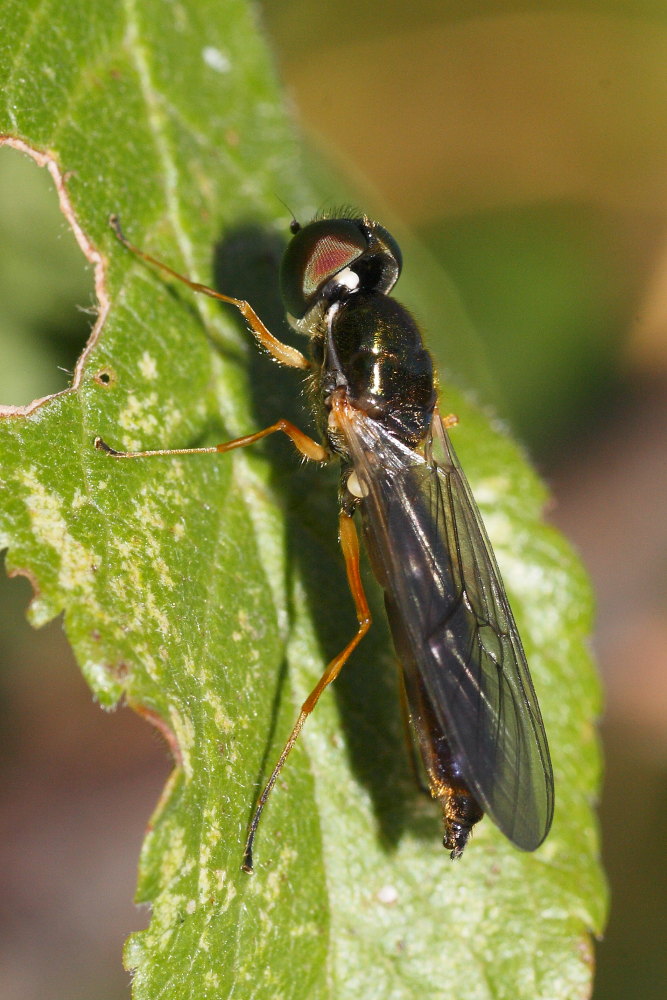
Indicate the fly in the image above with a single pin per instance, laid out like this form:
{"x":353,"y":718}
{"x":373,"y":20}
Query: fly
{"x":465,"y":678}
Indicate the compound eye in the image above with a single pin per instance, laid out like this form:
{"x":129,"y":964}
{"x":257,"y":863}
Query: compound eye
{"x":316,"y":254}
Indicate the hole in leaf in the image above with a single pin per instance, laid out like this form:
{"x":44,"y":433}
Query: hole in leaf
{"x":105,"y":376}
{"x":44,"y":283}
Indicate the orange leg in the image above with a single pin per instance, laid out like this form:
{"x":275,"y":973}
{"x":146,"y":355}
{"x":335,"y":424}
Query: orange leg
{"x":350,"y":545}
{"x":308,"y":448}
{"x":282,"y":353}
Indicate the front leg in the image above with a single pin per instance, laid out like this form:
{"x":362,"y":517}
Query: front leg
{"x":282,"y":353}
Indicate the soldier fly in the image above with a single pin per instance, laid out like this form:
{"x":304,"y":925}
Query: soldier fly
{"x":372,"y":385}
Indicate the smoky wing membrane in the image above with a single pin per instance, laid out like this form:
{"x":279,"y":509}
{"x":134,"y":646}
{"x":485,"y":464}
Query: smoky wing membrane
{"x":431,"y":554}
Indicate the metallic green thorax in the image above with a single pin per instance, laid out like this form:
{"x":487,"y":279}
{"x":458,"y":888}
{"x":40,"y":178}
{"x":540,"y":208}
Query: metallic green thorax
{"x":373,"y":348}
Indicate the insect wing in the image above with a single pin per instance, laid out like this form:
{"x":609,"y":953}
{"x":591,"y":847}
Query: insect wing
{"x":431,"y":554}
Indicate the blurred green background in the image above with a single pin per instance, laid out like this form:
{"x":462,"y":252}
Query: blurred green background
{"x":526,"y":147}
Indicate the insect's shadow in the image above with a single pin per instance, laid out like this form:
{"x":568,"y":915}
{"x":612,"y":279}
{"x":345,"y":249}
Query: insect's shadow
{"x":246,"y":265}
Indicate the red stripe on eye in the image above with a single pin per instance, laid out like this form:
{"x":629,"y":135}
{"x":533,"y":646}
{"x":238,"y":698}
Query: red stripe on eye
{"x":328,"y":256}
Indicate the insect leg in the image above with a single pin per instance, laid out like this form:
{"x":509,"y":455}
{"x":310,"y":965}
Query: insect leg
{"x":282,"y":353}
{"x":306,"y":445}
{"x":349,"y":543}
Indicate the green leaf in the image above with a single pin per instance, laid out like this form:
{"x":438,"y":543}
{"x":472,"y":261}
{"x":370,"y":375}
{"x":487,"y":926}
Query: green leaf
{"x":209,"y":592}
